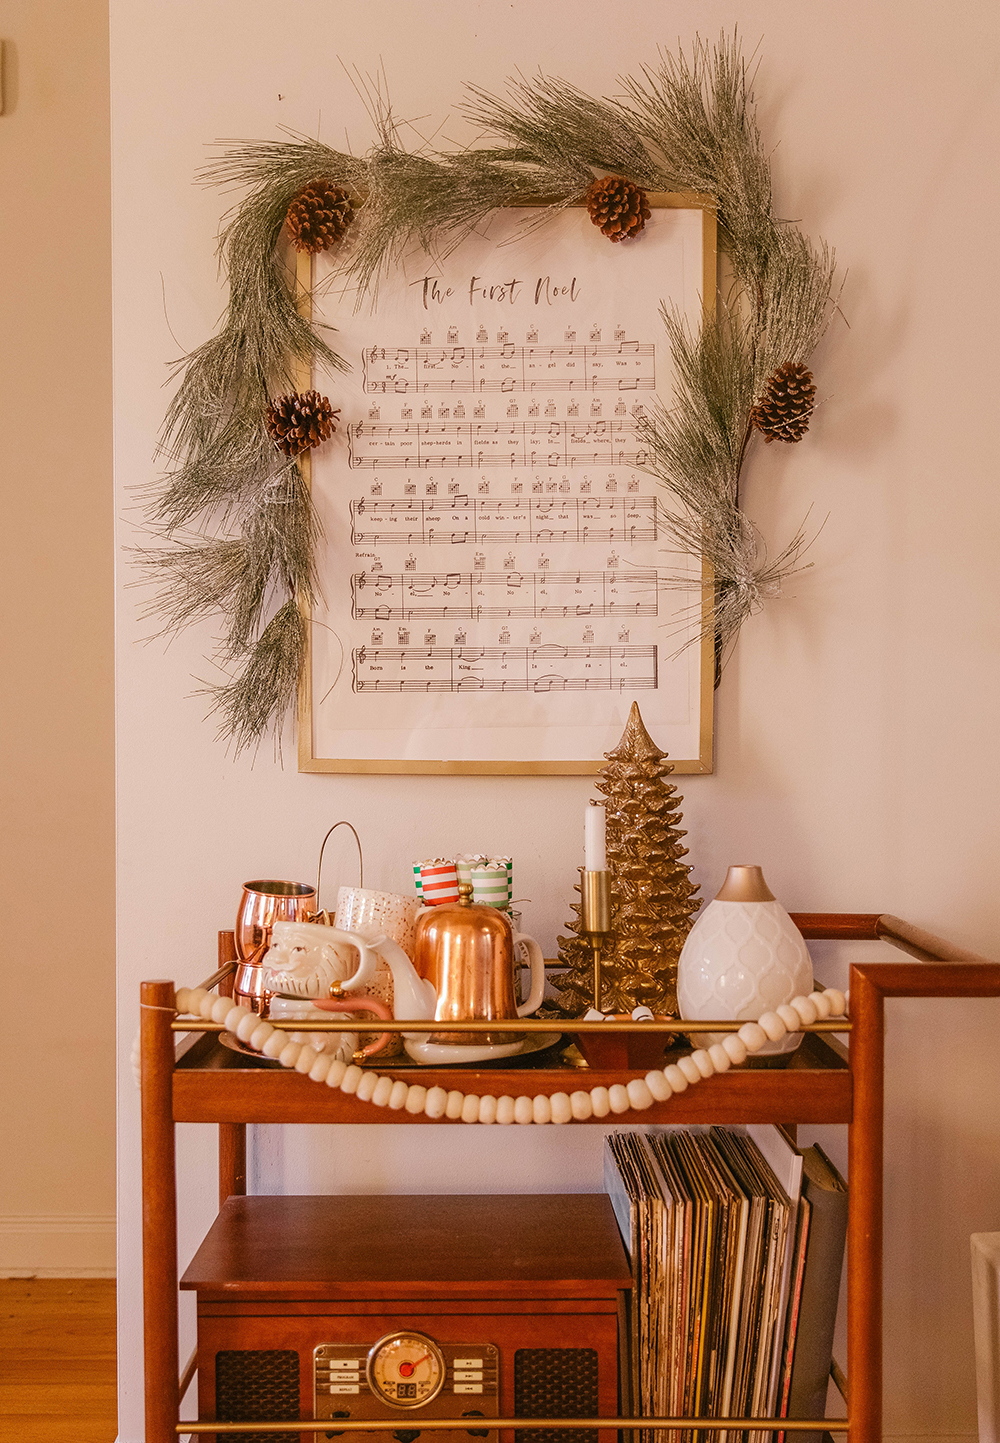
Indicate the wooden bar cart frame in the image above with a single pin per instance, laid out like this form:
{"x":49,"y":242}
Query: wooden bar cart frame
{"x":850,"y":1092}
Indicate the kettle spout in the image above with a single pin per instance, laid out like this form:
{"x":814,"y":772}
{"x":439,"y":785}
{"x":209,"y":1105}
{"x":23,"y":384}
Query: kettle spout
{"x":414,"y":998}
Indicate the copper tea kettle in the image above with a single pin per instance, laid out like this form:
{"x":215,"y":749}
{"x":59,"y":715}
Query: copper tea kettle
{"x":462,"y":970}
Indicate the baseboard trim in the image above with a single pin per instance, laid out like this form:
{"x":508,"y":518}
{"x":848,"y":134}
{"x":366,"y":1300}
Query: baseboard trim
{"x":57,"y":1245}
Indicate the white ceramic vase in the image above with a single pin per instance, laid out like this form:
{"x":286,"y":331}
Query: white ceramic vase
{"x":743,"y":956}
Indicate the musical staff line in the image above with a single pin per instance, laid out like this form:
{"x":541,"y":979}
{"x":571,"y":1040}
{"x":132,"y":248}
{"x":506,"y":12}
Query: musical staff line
{"x":461,"y":520}
{"x":479,"y":595}
{"x":538,"y":669}
{"x":505,"y":369}
{"x":421,"y":445}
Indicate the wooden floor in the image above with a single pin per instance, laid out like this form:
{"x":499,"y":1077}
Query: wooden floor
{"x":57,"y":1360}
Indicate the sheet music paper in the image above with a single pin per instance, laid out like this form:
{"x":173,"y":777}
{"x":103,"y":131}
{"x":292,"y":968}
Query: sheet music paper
{"x":493,"y":556}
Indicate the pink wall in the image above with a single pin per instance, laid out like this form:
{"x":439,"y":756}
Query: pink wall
{"x":857,"y":758}
{"x":57,"y":860}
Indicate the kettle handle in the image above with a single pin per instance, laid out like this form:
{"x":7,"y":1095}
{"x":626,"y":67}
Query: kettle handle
{"x":537,"y":962}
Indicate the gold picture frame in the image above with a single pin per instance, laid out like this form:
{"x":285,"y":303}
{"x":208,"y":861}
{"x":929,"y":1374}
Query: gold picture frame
{"x":701,"y":650}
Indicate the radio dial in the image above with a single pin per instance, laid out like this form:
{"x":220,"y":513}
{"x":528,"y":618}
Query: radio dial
{"x":406,"y":1369}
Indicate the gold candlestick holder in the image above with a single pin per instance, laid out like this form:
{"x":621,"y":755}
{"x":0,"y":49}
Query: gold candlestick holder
{"x":595,"y":891}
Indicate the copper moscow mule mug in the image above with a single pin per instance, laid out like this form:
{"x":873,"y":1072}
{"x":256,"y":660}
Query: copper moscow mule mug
{"x":263,"y":903}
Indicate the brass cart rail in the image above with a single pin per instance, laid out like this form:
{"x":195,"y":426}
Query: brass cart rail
{"x":822,"y":1084}
{"x":461,"y":1425}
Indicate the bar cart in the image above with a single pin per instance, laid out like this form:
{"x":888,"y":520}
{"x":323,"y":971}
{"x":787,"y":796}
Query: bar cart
{"x":825,"y":1082}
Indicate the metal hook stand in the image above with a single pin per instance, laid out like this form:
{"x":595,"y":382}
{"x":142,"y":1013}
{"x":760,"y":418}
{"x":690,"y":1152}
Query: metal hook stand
{"x":361,"y":856}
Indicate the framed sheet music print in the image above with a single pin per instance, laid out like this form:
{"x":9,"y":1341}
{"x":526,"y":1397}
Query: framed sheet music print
{"x":493,"y":576}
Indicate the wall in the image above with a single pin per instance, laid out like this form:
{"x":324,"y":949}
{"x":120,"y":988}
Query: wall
{"x":56,"y":646}
{"x":856,"y":724}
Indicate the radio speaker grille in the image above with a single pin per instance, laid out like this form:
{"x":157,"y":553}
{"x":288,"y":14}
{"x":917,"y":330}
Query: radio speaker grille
{"x":255,"y":1385}
{"x":556,"y":1383}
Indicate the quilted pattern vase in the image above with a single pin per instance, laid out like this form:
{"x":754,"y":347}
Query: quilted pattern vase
{"x":743,"y":956}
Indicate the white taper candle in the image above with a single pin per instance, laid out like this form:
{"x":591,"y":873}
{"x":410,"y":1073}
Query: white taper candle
{"x":595,"y":856}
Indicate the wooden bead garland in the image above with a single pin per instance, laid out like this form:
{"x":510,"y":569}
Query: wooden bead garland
{"x":434,"y":1103}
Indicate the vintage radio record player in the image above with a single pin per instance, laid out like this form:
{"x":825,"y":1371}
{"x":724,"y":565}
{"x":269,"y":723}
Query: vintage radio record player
{"x":409,"y":1308}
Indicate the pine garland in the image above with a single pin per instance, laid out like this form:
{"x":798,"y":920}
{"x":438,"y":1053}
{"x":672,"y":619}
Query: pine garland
{"x":235,"y":518}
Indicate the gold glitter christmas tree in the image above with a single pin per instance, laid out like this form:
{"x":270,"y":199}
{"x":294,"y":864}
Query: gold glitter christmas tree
{"x":652,"y":898}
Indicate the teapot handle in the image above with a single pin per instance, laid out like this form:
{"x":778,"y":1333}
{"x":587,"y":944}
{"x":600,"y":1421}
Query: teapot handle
{"x":537,"y":962}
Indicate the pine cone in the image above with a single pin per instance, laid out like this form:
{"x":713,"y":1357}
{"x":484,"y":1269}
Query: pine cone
{"x":300,"y":420}
{"x":618,"y":207}
{"x":784,"y":412}
{"x":319,"y":216}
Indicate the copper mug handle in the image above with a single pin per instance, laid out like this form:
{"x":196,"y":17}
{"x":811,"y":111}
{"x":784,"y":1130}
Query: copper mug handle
{"x":350,"y":1004}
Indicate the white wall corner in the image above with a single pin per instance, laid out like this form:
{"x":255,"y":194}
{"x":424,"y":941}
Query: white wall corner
{"x":57,"y":1245}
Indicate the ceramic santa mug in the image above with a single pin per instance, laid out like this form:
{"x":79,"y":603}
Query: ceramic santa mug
{"x":303,"y":962}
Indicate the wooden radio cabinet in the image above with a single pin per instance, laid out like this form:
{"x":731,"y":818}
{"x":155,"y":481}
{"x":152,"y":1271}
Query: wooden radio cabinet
{"x":497,"y":1306}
